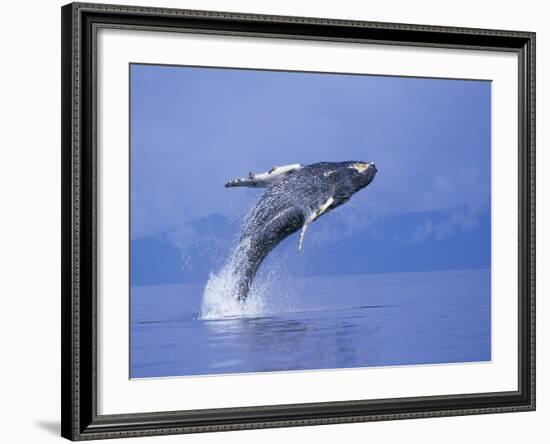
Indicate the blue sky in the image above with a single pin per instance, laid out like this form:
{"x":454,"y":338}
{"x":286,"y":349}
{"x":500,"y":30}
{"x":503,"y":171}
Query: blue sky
{"x":192,"y":129}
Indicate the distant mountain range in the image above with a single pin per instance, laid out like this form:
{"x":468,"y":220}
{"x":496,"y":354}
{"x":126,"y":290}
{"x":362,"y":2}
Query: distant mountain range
{"x":401,"y":244}
{"x":436,"y":240}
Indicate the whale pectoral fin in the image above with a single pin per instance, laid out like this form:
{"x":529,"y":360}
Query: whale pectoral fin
{"x":302,"y":234}
{"x":263,"y":180}
{"x":283,"y":169}
{"x":243,"y":182}
{"x":311,"y":218}
{"x":323,"y":208}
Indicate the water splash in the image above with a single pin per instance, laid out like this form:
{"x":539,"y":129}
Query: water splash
{"x":221,"y":294}
{"x":221,"y":297}
{"x":275,"y":289}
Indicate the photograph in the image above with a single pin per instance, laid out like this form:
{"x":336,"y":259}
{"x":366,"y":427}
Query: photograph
{"x":285,"y":221}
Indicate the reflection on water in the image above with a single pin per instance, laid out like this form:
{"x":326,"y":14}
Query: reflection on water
{"x":314,"y":340}
{"x":398,"y":319}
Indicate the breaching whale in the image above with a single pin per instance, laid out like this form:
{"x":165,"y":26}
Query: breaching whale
{"x":296,"y":196}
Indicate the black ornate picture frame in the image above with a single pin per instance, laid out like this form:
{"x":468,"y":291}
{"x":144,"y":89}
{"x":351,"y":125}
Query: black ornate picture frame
{"x":80,"y":419}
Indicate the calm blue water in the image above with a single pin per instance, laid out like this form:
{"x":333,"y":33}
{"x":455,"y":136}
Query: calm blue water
{"x":325,"y":322}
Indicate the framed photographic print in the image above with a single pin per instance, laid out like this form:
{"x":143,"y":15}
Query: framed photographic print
{"x":279,"y":221}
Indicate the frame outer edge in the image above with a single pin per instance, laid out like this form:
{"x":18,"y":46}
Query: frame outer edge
{"x":533,"y":244}
{"x":66,"y":307}
{"x":233,"y":15}
{"x":70,"y":101}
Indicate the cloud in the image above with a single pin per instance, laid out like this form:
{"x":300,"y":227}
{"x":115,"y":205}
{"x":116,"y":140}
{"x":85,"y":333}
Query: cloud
{"x":466,"y":193}
{"x":456,"y":220}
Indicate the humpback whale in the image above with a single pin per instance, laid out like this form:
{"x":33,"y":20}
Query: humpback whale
{"x":295,"y":196}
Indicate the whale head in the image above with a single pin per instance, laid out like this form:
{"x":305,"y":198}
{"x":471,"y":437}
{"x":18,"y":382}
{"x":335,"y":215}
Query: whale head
{"x":361,"y":174}
{"x":344,"y":179}
{"x":347,"y":178}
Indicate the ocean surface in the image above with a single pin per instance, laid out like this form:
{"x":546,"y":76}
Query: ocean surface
{"x":315,"y":322}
